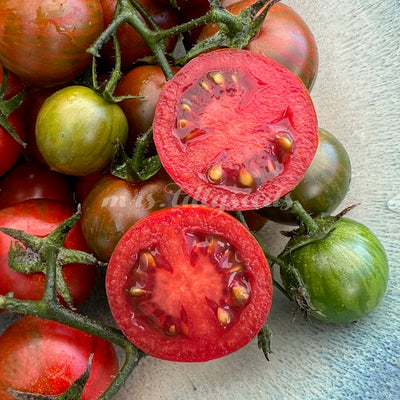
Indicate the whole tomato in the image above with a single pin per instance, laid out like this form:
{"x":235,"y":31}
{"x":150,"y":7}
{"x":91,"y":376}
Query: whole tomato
{"x":45,"y":357}
{"x":44,"y":42}
{"x":284,"y":37}
{"x":114,"y":205}
{"x":77,"y":130}
{"x":39,"y":217}
{"x":10,"y":149}
{"x":34,"y":180}
{"x":146,"y":82}
{"x":132,"y":45}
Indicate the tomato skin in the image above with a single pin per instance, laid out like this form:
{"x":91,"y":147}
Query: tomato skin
{"x":191,"y":275}
{"x":61,"y":31}
{"x":39,"y":217}
{"x":346,"y":273}
{"x":34,"y":180}
{"x":284,"y":37}
{"x":223,"y":141}
{"x":323,"y":187}
{"x":46,"y":357}
{"x":164,"y":15}
{"x":146,"y":81}
{"x":77,"y":130}
{"x":10,"y":149}
{"x":114,"y":205}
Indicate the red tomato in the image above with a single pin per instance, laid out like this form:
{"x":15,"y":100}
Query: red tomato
{"x":114,"y":205}
{"x":189,"y":283}
{"x":10,"y":149}
{"x":284,"y":37}
{"x":44,"y":42}
{"x":132,"y":45}
{"x":235,"y":130}
{"x":147,"y":82}
{"x":46,"y":357}
{"x":39,"y":217}
{"x":33,"y":180}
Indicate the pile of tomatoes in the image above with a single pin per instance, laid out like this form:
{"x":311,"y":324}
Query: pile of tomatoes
{"x":176,"y":153}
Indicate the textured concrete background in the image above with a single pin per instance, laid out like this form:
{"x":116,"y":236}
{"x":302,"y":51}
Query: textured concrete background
{"x":357,"y":98}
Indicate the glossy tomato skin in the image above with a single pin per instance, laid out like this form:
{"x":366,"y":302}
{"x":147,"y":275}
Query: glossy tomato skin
{"x":53,"y":34}
{"x":189,"y":284}
{"x":77,"y":130}
{"x":10,"y":149}
{"x":346,"y":273}
{"x":46,"y":357}
{"x":235,"y":130}
{"x":114,"y":205}
{"x":324,"y":185}
{"x":132,"y":45}
{"x":34,"y":180}
{"x":146,"y":82}
{"x":39,"y":217}
{"x":284,"y":36}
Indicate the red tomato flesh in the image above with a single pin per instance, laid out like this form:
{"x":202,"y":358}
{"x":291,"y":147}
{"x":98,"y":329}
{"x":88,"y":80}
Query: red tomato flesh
{"x":189,"y":283}
{"x":235,"y":130}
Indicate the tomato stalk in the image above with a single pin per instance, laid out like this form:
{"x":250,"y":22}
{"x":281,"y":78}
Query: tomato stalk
{"x":235,"y":30}
{"x":7,"y":107}
{"x":49,"y":253}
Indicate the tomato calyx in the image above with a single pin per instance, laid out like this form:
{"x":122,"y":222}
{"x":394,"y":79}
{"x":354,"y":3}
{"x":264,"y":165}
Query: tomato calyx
{"x":138,"y":167}
{"x":73,"y":392}
{"x":28,"y":254}
{"x":7,"y":107}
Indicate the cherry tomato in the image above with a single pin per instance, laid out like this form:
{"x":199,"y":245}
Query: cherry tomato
{"x":189,"y":283}
{"x":114,"y":205}
{"x":324,"y":185}
{"x":145,"y":81}
{"x":39,"y":217}
{"x":284,"y":37}
{"x":77,"y":130}
{"x":44,"y":42}
{"x":34,"y":180}
{"x":132,"y":45}
{"x":235,"y":130}
{"x":346,"y":273}
{"x":10,"y":149}
{"x":46,"y":357}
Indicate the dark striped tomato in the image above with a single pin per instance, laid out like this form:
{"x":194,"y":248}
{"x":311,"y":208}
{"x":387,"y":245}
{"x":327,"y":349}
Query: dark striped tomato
{"x":235,"y":129}
{"x":44,"y":42}
{"x":346,"y":273}
{"x":284,"y":36}
{"x":189,"y":283}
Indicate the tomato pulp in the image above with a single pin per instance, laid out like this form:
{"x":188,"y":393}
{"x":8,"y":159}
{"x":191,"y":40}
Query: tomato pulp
{"x":189,"y":283}
{"x":235,"y":130}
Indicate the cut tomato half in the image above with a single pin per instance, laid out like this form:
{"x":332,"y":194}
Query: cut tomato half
{"x":235,"y":130}
{"x":189,"y":283}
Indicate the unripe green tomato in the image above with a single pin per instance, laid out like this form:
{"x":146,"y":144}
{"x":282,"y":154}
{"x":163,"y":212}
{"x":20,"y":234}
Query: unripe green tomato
{"x":346,"y":273}
{"x":77,"y":130}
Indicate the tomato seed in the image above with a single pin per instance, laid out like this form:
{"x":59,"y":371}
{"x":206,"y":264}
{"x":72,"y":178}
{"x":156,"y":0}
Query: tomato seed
{"x":215,"y":173}
{"x":245,"y":178}
{"x":223,"y":316}
{"x":240,"y":295}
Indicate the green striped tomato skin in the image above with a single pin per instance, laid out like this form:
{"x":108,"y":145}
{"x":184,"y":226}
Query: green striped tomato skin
{"x":346,"y":273}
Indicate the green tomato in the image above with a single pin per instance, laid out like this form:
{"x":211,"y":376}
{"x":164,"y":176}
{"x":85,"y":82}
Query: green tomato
{"x":77,"y":129}
{"x":323,"y":187}
{"x":346,"y":273}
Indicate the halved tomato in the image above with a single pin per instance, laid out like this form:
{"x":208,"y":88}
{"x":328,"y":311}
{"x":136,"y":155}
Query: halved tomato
{"x":235,"y":130}
{"x":189,"y":283}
